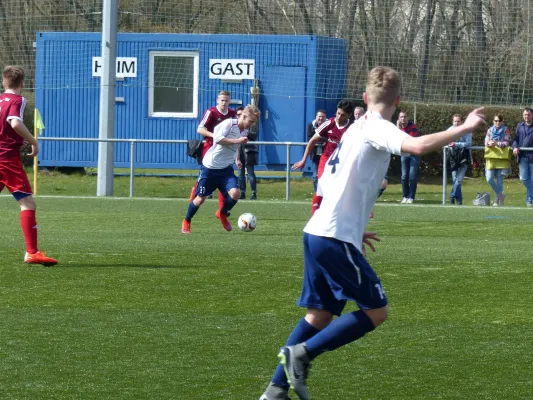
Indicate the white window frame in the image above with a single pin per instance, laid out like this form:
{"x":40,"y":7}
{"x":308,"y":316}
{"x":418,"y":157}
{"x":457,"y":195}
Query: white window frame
{"x":173,"y":53}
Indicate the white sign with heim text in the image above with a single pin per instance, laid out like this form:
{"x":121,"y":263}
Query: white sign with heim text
{"x":231,"y":69}
{"x":126,"y":67}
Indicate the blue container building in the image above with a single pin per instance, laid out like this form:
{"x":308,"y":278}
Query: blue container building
{"x":165,"y":82}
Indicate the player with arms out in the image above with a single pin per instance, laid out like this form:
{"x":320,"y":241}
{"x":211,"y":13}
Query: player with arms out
{"x":217,"y":172}
{"x":335,"y":268}
{"x":13,"y":133}
{"x":212,"y":117}
{"x":331,"y":131}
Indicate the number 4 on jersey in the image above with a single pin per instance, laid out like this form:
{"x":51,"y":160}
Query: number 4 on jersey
{"x":334,"y":159}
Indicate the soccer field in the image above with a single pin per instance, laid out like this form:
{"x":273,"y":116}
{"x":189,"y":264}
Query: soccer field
{"x":135,"y":310}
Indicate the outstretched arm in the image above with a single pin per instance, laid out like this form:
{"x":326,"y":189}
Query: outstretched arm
{"x":424,"y":144}
{"x":308,"y":149}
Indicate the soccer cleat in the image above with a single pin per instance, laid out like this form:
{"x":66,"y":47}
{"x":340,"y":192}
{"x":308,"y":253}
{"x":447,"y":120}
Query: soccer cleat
{"x":296,"y":365}
{"x":224,"y":220}
{"x":186,"y":227}
{"x":39,"y":258}
{"x":371,"y":214}
{"x":253,"y":196}
{"x":217,"y":214}
{"x":242,"y":196}
{"x":275,"y":392}
{"x":265,"y":397}
{"x":501,"y":199}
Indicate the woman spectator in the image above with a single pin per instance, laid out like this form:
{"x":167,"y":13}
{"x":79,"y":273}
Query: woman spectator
{"x":497,"y":157}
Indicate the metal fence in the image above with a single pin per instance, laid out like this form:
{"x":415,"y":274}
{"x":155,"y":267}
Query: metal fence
{"x":134,"y":142}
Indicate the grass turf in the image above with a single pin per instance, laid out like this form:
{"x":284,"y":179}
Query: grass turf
{"x":137,"y":310}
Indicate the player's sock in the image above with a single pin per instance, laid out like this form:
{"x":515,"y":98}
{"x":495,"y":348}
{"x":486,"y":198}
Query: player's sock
{"x":191,"y":211}
{"x":317,"y":200}
{"x":193,"y":192}
{"x":221,"y":200}
{"x":229,"y":203}
{"x":29,"y":228}
{"x":301,"y":332}
{"x":343,"y":330}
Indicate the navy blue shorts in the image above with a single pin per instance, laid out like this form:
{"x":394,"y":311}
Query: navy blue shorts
{"x":210,"y":179}
{"x":335,"y":272}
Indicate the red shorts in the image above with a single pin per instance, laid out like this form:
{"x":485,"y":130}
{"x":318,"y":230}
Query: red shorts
{"x":13,"y":176}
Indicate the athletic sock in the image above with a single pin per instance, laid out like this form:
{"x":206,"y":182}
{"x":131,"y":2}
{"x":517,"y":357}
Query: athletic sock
{"x":29,"y":229}
{"x":343,"y":330}
{"x":229,"y":203}
{"x":191,"y":211}
{"x":193,"y":192}
{"x":301,"y":332}
{"x":221,"y":200}
{"x":317,"y":200}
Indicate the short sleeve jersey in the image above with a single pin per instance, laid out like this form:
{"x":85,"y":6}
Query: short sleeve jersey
{"x":223,"y":155}
{"x":332,"y":134}
{"x":11,"y":107}
{"x":352,"y":179}
{"x":212,"y":117}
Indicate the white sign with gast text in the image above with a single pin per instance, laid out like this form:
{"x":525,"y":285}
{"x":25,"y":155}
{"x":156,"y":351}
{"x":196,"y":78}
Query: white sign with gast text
{"x":231,"y":69}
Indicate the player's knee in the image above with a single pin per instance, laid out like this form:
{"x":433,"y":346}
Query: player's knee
{"x":378,"y":316}
{"x":318,"y":318}
{"x":27,"y":203}
{"x":198,"y":201}
{"x":235,"y":194}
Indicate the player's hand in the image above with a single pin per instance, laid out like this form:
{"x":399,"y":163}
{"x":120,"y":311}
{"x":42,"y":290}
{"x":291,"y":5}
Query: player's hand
{"x":367,"y":236}
{"x":34,"y":151}
{"x":299,"y":165}
{"x":239,"y":163}
{"x":475,"y":120}
{"x":491,"y":143}
{"x":516,"y":151}
{"x":242,"y":140}
{"x":452,"y":144}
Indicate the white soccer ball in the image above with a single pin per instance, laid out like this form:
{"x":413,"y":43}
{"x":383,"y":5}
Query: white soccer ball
{"x":247,"y":222}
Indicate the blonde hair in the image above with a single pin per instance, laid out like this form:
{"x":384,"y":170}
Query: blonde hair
{"x":224,"y":93}
{"x":383,"y":86}
{"x":457,"y":116}
{"x":252,"y":111}
{"x":13,"y":76}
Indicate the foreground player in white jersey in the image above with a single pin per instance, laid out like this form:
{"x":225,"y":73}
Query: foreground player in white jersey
{"x":335,"y":269}
{"x":216,"y":171}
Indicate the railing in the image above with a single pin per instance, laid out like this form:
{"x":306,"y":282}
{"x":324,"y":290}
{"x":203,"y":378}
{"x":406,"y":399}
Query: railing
{"x":445,"y":172}
{"x":133,"y":142}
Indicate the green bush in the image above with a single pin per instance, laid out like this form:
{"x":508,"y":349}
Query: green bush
{"x":432,"y":118}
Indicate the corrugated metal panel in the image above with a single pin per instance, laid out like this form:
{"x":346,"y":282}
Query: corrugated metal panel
{"x":70,"y":102}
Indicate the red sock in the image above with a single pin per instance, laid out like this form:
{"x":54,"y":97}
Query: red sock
{"x":316,"y":203}
{"x":193,"y":192}
{"x":221,"y":200}
{"x":29,"y":228}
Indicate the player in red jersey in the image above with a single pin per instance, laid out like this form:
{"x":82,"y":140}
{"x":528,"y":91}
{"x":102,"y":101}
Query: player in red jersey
{"x":13,"y":133}
{"x":212,"y":117}
{"x":331,"y":131}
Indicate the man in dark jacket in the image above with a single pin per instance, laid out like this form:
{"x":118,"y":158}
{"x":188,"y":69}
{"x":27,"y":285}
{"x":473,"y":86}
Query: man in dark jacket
{"x":524,"y":138}
{"x":248,"y":156}
{"x":320,"y":118}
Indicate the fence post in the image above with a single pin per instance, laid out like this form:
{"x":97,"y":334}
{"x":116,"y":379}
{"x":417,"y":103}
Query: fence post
{"x":288,"y":175}
{"x":132,"y":165}
{"x":444,"y":174}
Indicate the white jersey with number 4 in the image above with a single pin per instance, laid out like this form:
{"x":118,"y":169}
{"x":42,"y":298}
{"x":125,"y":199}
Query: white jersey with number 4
{"x":352,"y":179}
{"x":223,"y":155}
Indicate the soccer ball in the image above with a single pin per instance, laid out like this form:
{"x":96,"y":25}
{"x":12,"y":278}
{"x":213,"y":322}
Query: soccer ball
{"x":247,"y":222}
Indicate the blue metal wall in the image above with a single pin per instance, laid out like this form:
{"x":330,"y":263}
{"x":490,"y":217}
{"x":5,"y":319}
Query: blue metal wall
{"x":68,"y":96}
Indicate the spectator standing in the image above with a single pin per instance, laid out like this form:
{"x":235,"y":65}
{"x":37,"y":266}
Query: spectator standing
{"x":410,"y":162}
{"x":497,"y":157}
{"x":358,"y":112}
{"x":459,"y":157}
{"x":524,"y":138}
{"x":319,"y":147}
{"x":248,"y":157}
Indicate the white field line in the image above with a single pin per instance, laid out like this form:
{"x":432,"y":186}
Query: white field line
{"x":378,"y":204}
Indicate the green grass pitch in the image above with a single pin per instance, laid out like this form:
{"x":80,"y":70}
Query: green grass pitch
{"x":135,"y":310}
